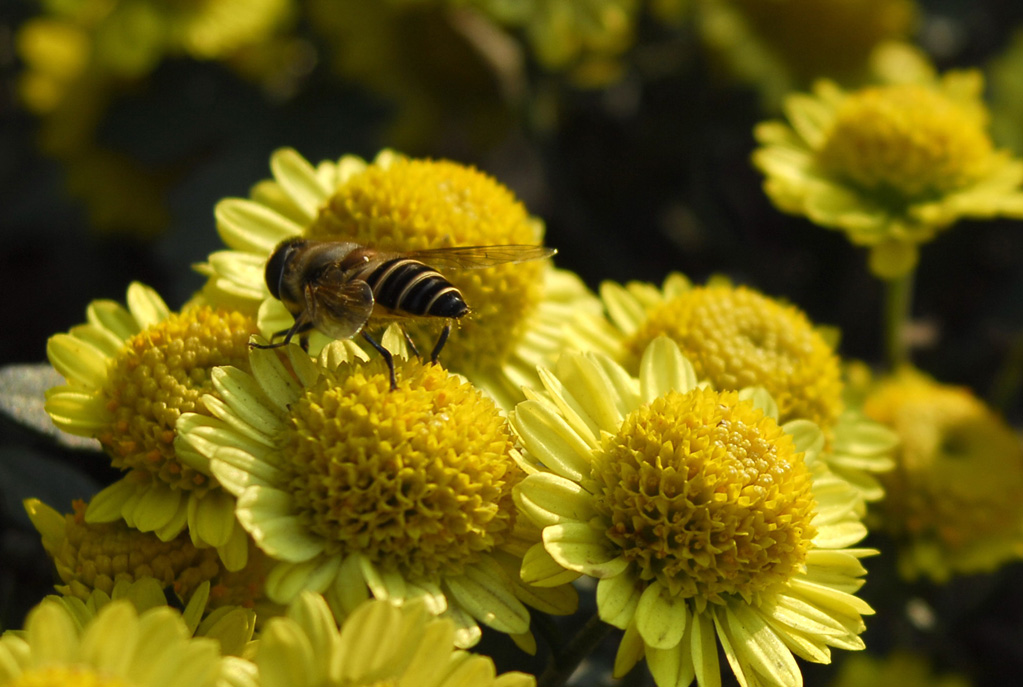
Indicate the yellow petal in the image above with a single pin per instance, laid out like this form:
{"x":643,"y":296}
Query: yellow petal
{"x":349,"y":588}
{"x":78,"y":412}
{"x":146,"y":305}
{"x":211,"y":517}
{"x":78,"y":361}
{"x":285,"y":581}
{"x":298,"y":178}
{"x":618,"y":598}
{"x":579,"y":547}
{"x":761,"y":647}
{"x":108,"y":504}
{"x":829,"y":599}
{"x":485,"y":594}
{"x":113,"y":638}
{"x":277,"y":382}
{"x":671,"y":667}
{"x":569,"y":408}
{"x":661,"y":617}
{"x":286,"y":658}
{"x":157,"y":506}
{"x":539,"y":568}
{"x":663,"y":368}
{"x":549,"y":499}
{"x":592,"y":388}
{"x":52,"y":634}
{"x":252,"y":227}
{"x":372,"y":626}
{"x":704,"y":648}
{"x":551,"y":441}
{"x":624,"y":310}
{"x":235,"y":553}
{"x":112,"y":317}
{"x":630,"y":650}
{"x":266,"y":514}
{"x":47,"y":521}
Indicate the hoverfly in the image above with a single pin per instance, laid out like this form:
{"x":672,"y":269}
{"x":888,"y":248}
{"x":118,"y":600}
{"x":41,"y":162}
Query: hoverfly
{"x":337,"y":287}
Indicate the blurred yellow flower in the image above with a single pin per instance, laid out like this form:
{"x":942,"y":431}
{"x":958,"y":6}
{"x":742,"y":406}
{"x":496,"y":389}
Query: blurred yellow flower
{"x":900,"y":668}
{"x":889,"y":165}
{"x":378,"y":644}
{"x":703,"y":519}
{"x":232,"y":626}
{"x":130,"y":373}
{"x":785,"y":46}
{"x":117,"y":647}
{"x":586,"y":38}
{"x":954,"y":502}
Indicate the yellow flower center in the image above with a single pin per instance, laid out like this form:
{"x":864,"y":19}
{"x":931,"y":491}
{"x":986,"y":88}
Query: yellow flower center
{"x":162,"y":372}
{"x":95,"y":556}
{"x":424,"y":204}
{"x":959,"y":473}
{"x":706,"y":495}
{"x":906,"y":143}
{"x":67,"y":676}
{"x":737,"y":338}
{"x":418,"y":479}
{"x":243,"y":587}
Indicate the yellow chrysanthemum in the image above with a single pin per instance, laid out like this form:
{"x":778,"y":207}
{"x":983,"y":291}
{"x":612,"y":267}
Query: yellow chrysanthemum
{"x":702,"y":518}
{"x":736,"y":338}
{"x":889,"y":165}
{"x":55,"y":54}
{"x":119,"y":647}
{"x":355,"y":489}
{"x":955,"y":499}
{"x":378,"y":644}
{"x":127,"y":39}
{"x":231,"y":625}
{"x":130,"y":374}
{"x":95,"y":556}
{"x":397,"y":203}
{"x":900,"y":668}
{"x":98,"y":557}
{"x":784,"y":46}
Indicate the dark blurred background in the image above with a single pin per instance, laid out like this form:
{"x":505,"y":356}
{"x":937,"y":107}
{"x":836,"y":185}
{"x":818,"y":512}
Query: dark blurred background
{"x":645,"y":176}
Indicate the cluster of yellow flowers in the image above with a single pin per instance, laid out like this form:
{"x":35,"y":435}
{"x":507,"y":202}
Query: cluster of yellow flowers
{"x":691,"y":448}
{"x":688,"y":448}
{"x":696,"y":460}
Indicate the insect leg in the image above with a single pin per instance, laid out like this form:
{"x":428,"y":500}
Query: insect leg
{"x":441,"y":340}
{"x":411,"y":343}
{"x":300,"y":327}
{"x":386,"y":355}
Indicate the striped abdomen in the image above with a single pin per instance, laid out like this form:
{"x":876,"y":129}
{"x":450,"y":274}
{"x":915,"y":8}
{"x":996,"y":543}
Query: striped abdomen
{"x":415,"y":288}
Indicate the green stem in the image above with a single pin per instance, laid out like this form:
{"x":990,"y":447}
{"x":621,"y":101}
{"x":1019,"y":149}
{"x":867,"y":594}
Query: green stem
{"x":564,"y":663}
{"x":899,"y":299}
{"x":1009,"y":378}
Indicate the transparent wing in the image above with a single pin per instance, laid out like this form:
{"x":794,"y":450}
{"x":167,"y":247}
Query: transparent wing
{"x":339,"y":308}
{"x":478,"y":257}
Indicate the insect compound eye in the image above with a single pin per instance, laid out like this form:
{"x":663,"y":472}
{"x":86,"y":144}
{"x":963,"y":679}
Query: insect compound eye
{"x":278,"y":263}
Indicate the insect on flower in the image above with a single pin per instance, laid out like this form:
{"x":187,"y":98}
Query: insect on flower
{"x":338,"y":287}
